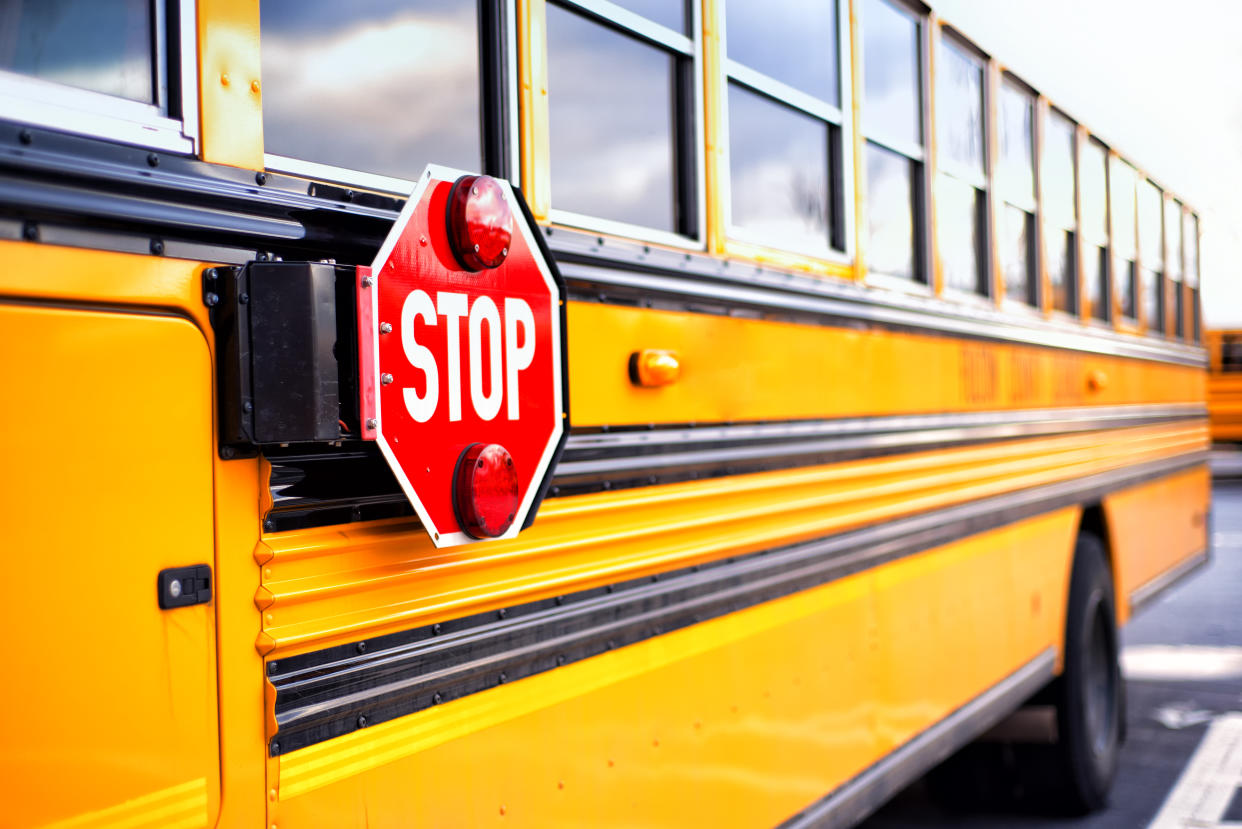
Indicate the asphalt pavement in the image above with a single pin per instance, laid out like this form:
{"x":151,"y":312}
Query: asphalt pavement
{"x":1181,"y":765}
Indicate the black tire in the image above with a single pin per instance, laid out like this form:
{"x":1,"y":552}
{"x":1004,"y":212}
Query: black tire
{"x":1089,"y":695}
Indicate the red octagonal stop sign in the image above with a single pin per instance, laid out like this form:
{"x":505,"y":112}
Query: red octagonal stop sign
{"x":462,"y":364}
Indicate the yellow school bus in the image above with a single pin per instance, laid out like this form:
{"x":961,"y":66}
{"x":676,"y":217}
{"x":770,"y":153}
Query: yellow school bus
{"x":917,"y":417}
{"x":1225,"y":384}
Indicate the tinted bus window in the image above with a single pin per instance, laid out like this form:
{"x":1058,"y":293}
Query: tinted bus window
{"x":336,"y":74}
{"x":105,"y":46}
{"x":791,"y":41}
{"x":1061,"y":216}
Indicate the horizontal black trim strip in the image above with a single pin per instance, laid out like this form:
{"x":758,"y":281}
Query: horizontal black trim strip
{"x":858,"y":798}
{"x":620,"y":271}
{"x":327,"y":485}
{"x":337,"y":690}
{"x":47,"y":176}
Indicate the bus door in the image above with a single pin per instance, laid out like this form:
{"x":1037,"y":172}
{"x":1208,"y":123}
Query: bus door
{"x":106,"y":528}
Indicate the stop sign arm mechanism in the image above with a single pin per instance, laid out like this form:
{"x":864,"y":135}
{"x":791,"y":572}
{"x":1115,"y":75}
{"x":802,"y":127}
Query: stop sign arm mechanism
{"x":315,"y":352}
{"x":286,"y":354}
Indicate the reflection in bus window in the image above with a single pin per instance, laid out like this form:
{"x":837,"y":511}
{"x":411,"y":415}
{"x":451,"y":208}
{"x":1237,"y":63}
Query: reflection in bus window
{"x":105,"y":47}
{"x":962,"y":185}
{"x":1173,"y":243}
{"x":778,"y":170}
{"x":1016,"y":176}
{"x":1151,"y":252}
{"x":891,"y":76}
{"x":1122,"y":182}
{"x":893,"y":126}
{"x":959,"y":209}
{"x":1060,"y":214}
{"x":335,"y":73}
{"x":611,"y":127}
{"x":890,"y":219}
{"x":1093,"y":180}
{"x":791,"y":41}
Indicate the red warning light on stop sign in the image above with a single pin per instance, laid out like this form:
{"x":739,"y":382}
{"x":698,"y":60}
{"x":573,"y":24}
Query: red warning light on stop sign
{"x":463,"y":366}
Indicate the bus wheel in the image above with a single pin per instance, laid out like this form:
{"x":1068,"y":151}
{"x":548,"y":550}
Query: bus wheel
{"x":1089,"y":695}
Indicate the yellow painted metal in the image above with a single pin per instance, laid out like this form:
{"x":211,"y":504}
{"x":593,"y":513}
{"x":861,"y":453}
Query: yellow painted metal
{"x":71,"y":275}
{"x":740,"y":369}
{"x":1156,"y":526}
{"x":932,"y":40}
{"x":533,"y":106}
{"x":334,"y":585}
{"x":112,"y":702}
{"x":995,"y":201}
{"x":1224,"y":388}
{"x":758,"y":713}
{"x":715,"y":161}
{"x":857,"y":147}
{"x":230,"y":89}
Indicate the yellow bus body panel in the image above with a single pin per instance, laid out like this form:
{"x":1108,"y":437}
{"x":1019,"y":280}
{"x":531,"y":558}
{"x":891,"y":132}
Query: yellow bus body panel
{"x":333,"y":585}
{"x":1156,"y":527}
{"x":741,"y":369}
{"x":756,"y":713}
{"x":112,"y":714}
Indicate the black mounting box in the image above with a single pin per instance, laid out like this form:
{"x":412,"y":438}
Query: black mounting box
{"x":286,"y":343}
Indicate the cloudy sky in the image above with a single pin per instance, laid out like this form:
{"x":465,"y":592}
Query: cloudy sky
{"x":1159,"y":80}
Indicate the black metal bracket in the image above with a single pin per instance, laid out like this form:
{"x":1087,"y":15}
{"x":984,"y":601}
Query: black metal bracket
{"x":285,"y":354}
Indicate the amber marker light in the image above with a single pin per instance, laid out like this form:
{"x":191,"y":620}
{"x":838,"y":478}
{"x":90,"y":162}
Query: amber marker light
{"x":485,"y":490}
{"x":654,"y":367}
{"x":480,"y":222}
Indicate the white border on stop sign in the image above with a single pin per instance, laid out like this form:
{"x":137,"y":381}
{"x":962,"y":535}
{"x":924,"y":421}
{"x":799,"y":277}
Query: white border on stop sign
{"x":439,"y":173}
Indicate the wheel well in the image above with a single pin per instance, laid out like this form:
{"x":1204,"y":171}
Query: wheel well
{"x":1094,"y":522}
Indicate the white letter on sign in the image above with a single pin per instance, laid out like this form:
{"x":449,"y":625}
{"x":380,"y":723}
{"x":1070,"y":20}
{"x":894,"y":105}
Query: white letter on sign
{"x":517,"y":313}
{"x":452,"y":306}
{"x":418,"y":304}
{"x":484,"y":310}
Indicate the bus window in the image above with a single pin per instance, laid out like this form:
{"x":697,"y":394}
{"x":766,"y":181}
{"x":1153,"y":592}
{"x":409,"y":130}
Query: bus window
{"x":108,"y":70}
{"x":784,"y":124}
{"x":1151,"y":251}
{"x":892,"y":121}
{"x":1231,"y":353}
{"x":1060,"y":214}
{"x":336,"y":73}
{"x":1190,"y":239}
{"x":1173,"y":244}
{"x":961,"y":194}
{"x":103,"y":47}
{"x":1017,"y":186}
{"x":618,"y":106}
{"x":1122,"y":182}
{"x":1094,"y":183}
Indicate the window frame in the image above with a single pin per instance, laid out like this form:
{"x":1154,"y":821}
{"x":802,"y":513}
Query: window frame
{"x":499,"y":141}
{"x":45,"y":103}
{"x":841,"y":172}
{"x":981,"y":181}
{"x":918,"y":155}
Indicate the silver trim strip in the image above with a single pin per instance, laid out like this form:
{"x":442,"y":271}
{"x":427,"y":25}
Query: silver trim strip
{"x":783,"y":291}
{"x":1144,"y":594}
{"x":868,"y":791}
{"x":818,"y":437}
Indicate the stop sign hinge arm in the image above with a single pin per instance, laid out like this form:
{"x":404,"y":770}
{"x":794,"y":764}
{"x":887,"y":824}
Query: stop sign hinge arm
{"x":286,"y":364}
